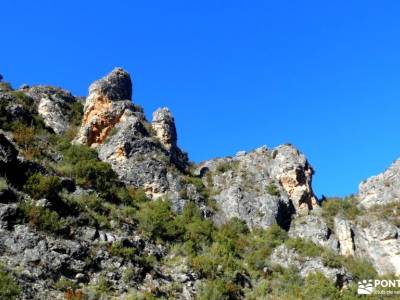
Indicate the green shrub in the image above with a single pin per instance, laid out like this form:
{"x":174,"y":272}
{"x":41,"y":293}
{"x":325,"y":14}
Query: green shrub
{"x":360,"y":268}
{"x":129,"y":275}
{"x":9,"y":289}
{"x":318,"y":287}
{"x":304,"y":247}
{"x":76,"y":113}
{"x":260,"y":245}
{"x":215,"y":290}
{"x":81,"y":163}
{"x":336,"y":206}
{"x":26,"y":136}
{"x":285,"y":283}
{"x":94,"y":174}
{"x":103,"y":285}
{"x":43,"y":218}
{"x":157,"y":220}
{"x":224,"y":167}
{"x":232,"y":236}
{"x":273,"y":190}
{"x":217,"y":261}
{"x":117,"y":249}
{"x":196,"y":181}
{"x":40,"y":186}
{"x":64,"y":284}
{"x":198,"y":235}
{"x":138,"y":195}
{"x":331,"y":260}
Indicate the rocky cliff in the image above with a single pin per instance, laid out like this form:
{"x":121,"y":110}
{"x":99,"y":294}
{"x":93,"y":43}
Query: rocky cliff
{"x":98,"y":202}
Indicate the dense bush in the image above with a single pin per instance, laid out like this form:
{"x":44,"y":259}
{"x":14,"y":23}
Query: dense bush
{"x":157,"y":220}
{"x":40,"y":186}
{"x":75,"y":113}
{"x":260,"y":245}
{"x":64,"y":284}
{"x":9,"y":289}
{"x":280,"y":284}
{"x":304,"y":247}
{"x":43,"y":218}
{"x":360,"y":268}
{"x":118,"y":249}
{"x":316,"y":286}
{"x":81,"y":163}
{"x":336,"y":206}
{"x":217,"y":290}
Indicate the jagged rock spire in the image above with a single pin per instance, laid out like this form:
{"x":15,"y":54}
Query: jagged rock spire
{"x":164,"y":127}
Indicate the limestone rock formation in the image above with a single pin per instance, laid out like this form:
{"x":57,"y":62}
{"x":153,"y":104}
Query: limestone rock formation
{"x":262,"y":187}
{"x":164,"y":126}
{"x":313,"y":227}
{"x":58,"y":228}
{"x":344,"y":232}
{"x":379,"y":243}
{"x":109,"y":98}
{"x":53,"y":105}
{"x":307,"y":265}
{"x":381,"y":189}
{"x":123,"y":137}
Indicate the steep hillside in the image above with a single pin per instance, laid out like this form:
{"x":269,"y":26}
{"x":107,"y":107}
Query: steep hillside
{"x":97,"y":202}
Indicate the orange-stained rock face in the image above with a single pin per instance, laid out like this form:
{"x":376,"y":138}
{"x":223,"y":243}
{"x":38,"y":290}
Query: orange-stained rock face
{"x":101,"y":119}
{"x":100,"y":106}
{"x":298,"y":187}
{"x":104,"y":107}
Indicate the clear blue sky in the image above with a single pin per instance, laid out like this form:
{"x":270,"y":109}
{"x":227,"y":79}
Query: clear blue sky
{"x":323,"y":75}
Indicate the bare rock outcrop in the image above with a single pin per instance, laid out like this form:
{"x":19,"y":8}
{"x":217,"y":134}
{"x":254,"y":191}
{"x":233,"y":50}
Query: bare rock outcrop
{"x":377,"y":240}
{"x":109,"y":98}
{"x":313,"y":227}
{"x":123,"y":137}
{"x":261,"y":187}
{"x":345,"y":235}
{"x":381,"y":189}
{"x":164,"y":127}
{"x":286,"y":257}
{"x":53,"y":105}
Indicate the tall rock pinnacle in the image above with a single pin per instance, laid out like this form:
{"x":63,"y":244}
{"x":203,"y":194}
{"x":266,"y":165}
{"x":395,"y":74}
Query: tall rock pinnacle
{"x":108,"y":99}
{"x":164,"y":126}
